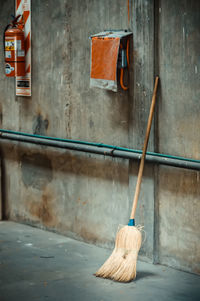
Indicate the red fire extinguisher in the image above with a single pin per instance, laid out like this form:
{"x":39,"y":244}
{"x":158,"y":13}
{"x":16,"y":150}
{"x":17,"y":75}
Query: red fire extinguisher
{"x":14,"y":48}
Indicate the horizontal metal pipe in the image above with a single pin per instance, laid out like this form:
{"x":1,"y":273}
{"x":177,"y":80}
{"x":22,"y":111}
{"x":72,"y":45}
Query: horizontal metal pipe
{"x":106,"y":151}
{"x":97,"y":144}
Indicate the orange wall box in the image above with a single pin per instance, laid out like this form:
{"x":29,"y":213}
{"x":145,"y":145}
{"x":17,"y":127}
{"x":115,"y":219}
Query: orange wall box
{"x":109,"y":52}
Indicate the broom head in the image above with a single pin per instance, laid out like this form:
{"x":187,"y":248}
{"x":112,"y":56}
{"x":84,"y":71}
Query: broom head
{"x":121,"y":265}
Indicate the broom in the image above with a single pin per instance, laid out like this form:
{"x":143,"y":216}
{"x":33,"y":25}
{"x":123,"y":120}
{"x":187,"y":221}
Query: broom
{"x":121,"y":265}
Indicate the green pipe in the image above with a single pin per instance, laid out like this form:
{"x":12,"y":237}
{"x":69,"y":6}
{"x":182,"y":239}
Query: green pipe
{"x":99,"y":145}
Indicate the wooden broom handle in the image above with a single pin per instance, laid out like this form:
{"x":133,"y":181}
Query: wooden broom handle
{"x":140,"y":172}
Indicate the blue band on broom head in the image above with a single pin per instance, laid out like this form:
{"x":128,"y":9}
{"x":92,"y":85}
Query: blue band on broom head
{"x":131,"y":222}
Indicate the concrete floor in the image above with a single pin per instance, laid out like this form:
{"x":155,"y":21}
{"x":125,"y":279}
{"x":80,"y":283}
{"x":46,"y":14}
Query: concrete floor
{"x":40,"y":265}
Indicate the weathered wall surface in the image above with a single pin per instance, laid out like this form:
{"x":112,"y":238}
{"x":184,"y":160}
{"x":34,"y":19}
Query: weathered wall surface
{"x":1,"y":203}
{"x":80,"y":195}
{"x":179,"y":123}
{"x":86,"y":196}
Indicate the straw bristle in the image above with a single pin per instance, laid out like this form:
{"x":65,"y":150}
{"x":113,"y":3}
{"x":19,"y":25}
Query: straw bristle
{"x":113,"y":263}
{"x":121,"y":265}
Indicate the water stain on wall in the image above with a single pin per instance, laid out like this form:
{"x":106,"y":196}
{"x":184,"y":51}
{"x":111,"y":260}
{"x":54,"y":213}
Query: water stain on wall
{"x":36,"y":170}
{"x":1,"y":115}
{"x":40,"y":125}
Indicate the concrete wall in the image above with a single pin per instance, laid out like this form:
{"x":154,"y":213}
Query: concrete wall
{"x":78,"y":194}
{"x":1,"y":202}
{"x":86,"y":196}
{"x":178,"y":132}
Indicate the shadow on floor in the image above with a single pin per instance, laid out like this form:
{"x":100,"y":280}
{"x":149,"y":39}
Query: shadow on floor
{"x":141,"y":275}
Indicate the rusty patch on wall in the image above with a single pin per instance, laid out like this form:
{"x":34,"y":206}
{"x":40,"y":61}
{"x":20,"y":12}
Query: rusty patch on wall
{"x":43,"y":209}
{"x":91,"y":236}
{"x":36,"y":170}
